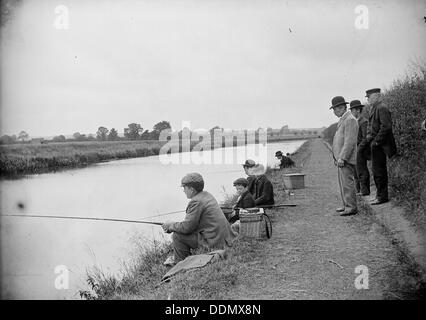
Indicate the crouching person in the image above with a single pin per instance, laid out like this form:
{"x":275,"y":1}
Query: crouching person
{"x":204,"y":225}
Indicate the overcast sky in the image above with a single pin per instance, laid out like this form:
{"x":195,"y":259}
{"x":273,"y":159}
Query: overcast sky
{"x":236,"y":64}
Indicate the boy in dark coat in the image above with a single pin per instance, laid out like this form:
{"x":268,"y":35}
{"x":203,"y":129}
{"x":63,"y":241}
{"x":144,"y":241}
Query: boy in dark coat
{"x":245,"y":199}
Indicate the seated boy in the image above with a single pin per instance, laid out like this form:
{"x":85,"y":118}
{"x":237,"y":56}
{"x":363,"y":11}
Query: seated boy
{"x":245,"y":199}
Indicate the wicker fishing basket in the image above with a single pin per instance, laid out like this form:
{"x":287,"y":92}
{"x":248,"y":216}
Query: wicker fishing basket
{"x":255,"y":224}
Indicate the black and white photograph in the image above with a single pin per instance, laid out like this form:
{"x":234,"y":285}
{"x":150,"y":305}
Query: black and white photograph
{"x":207,"y":150}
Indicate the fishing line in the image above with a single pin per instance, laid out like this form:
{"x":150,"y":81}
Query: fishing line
{"x":79,"y":218}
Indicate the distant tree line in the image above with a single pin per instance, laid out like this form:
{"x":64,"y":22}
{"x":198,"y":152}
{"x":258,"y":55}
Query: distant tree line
{"x":133,"y":131}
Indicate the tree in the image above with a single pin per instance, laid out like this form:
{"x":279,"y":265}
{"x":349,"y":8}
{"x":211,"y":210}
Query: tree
{"x":113,"y":135}
{"x":23,"y":136}
{"x":158,"y":127}
{"x":60,"y":138}
{"x":7,"y":139}
{"x":102,"y":133}
{"x":132,"y":132}
{"x":79,"y":137}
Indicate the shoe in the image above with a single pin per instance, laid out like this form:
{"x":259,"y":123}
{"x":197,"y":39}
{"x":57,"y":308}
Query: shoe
{"x":378,"y":201}
{"x":349,"y":213}
{"x":170,"y":261}
{"x":340,"y":209}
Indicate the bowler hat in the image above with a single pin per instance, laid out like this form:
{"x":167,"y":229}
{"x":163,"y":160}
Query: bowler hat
{"x":241,"y":182}
{"x":249,"y":163}
{"x":337,"y":101}
{"x":355,"y":104}
{"x":278,"y":153}
{"x":370,"y":91}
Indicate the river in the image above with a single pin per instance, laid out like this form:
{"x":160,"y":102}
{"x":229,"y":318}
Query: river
{"x":36,"y":251}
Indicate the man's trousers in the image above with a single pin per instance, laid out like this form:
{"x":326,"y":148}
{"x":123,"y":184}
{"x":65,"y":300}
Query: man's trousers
{"x":182,"y":245}
{"x":362,"y":174}
{"x":380,"y":172}
{"x":346,"y":176}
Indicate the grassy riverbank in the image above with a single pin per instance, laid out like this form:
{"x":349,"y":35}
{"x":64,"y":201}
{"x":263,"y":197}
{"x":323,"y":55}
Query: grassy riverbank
{"x":21,"y":159}
{"x":141,"y":278}
{"x":18,"y":159}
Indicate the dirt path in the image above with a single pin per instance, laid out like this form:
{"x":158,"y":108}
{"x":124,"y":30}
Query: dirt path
{"x":314,"y":252}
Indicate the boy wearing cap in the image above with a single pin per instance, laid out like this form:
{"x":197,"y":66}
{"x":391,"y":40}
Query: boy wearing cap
{"x":362,"y":177}
{"x":204,"y":225}
{"x":382,"y":141}
{"x":245,"y":199}
{"x":344,"y":153}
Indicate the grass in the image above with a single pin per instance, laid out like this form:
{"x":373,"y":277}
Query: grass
{"x":19,"y":159}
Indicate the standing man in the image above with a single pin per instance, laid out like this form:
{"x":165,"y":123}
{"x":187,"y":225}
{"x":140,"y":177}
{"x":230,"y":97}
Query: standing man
{"x":204,"y":225}
{"x":380,"y":136}
{"x":344,"y":152}
{"x":363,"y":151}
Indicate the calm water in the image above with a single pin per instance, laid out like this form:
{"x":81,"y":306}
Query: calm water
{"x":31,"y":248}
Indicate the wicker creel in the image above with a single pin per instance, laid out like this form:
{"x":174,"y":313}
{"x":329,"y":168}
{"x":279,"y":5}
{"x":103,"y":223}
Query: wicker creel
{"x":255,"y":224}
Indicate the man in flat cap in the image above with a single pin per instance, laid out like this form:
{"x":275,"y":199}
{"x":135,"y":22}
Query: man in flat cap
{"x":362,"y":176}
{"x":344,"y":153}
{"x":204,"y":225}
{"x":382,"y":141}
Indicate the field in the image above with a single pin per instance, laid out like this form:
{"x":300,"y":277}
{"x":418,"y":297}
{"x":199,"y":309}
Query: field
{"x":18,"y":159}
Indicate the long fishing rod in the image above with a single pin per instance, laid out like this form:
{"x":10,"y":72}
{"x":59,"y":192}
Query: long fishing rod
{"x":80,"y":218}
{"x":270,"y":206}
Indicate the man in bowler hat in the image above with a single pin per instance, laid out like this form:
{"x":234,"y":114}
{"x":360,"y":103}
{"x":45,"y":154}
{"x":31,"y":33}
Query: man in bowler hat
{"x":362,"y":176}
{"x":382,"y":141}
{"x":344,"y":153}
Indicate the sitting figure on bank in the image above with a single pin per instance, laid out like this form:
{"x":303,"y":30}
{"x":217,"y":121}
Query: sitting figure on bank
{"x":245,"y":199}
{"x":204,"y":225}
{"x":248,"y":166}
{"x":284,"y":161}
{"x":262,"y":190}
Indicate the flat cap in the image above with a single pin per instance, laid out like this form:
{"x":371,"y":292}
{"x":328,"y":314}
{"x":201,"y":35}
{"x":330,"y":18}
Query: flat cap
{"x":278,"y":153}
{"x":370,"y":91}
{"x":241,"y":182}
{"x":192,"y":177}
{"x":249,"y":163}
